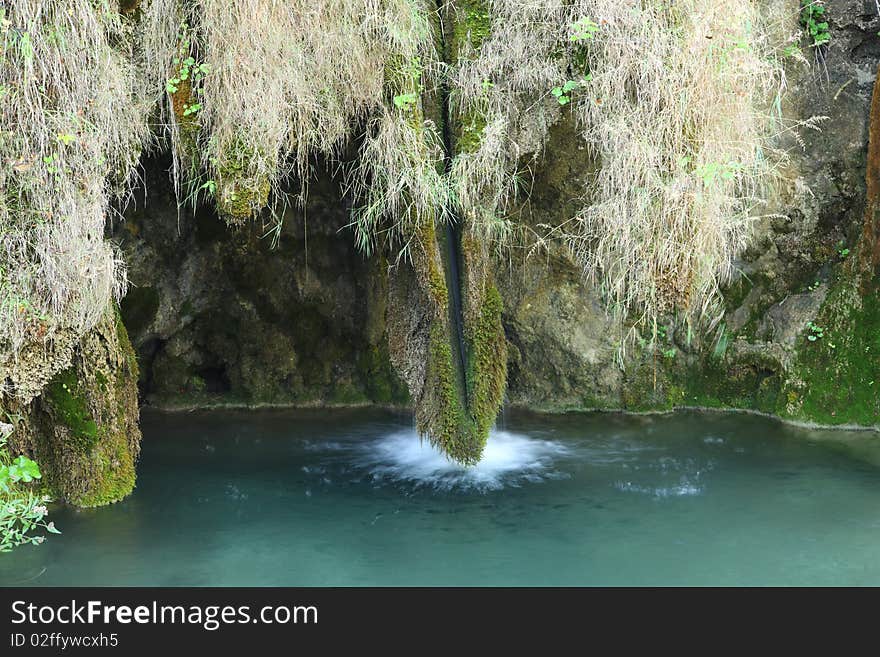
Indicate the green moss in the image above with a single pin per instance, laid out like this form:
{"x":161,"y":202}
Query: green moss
{"x":470,"y":132}
{"x":833,"y":380}
{"x":139,"y":307}
{"x":403,"y":82}
{"x":458,"y":426}
{"x":750,"y":380}
{"x":128,"y":352}
{"x":473,"y":28}
{"x":239,"y":194}
{"x":101,"y":380}
{"x":646,"y":387}
{"x":239,"y":197}
{"x":487,"y":377}
{"x":838,"y":376}
{"x":451,"y":429}
{"x":87,"y":437}
{"x":113,"y":476}
{"x":747,"y":385}
{"x":71,"y":408}
{"x":345,"y":392}
{"x":736,"y":293}
{"x":379,"y":378}
{"x":188,"y":124}
{"x":436,"y":278}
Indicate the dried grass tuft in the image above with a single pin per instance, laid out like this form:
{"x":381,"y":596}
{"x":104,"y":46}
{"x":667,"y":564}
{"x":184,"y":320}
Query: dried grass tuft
{"x":71,"y":130}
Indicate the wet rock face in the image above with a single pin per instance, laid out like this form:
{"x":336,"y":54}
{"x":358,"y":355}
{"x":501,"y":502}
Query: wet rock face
{"x":561,"y":340}
{"x":561,"y":354}
{"x":821,"y":191}
{"x":219,"y":316}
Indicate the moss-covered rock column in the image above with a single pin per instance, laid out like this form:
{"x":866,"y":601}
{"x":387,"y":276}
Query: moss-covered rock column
{"x":83,"y":429}
{"x":453,"y":355}
{"x":468,"y":23}
{"x":420,"y":326}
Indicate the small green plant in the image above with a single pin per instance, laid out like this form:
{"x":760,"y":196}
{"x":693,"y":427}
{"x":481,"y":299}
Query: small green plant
{"x":792,"y":51}
{"x":21,"y":510}
{"x":412,"y":72}
{"x":816,"y":332}
{"x":563,"y":93}
{"x":670,"y":353}
{"x":814,"y":21}
{"x":404,"y":101}
{"x":191,"y":108}
{"x":713,"y":172}
{"x":51,"y":161}
{"x":583,"y":29}
{"x":188,"y":70}
{"x":843,"y":252}
{"x":25,"y":46}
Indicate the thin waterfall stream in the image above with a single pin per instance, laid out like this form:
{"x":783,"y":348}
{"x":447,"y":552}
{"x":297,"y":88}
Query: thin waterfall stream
{"x":451,"y":236}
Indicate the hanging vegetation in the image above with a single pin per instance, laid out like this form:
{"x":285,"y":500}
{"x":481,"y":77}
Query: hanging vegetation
{"x":72,"y":124}
{"x":446,"y":102}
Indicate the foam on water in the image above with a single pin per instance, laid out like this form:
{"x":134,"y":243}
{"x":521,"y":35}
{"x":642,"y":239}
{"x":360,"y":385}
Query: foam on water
{"x":510,"y":459}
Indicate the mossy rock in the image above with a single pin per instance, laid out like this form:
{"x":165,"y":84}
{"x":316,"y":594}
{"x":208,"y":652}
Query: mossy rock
{"x":239,"y":198}
{"x":129,"y":7}
{"x":187,"y":123}
{"x":67,"y":398}
{"x":456,"y":423}
{"x":458,"y":408}
{"x":837,"y":376}
{"x":487,"y":375}
{"x":379,"y":379}
{"x":472,"y":26}
{"x":86,"y":437}
{"x":445,"y":422}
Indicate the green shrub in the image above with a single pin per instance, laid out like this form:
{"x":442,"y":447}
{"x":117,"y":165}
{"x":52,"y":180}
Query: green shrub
{"x":22,"y":510}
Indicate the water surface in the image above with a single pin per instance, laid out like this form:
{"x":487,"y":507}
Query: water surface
{"x":353,"y":498}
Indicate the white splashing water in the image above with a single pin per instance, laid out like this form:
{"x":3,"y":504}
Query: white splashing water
{"x":683,"y":489}
{"x":509,"y":459}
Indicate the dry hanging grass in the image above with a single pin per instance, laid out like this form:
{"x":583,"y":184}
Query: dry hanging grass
{"x":71,"y":129}
{"x":677,"y":111}
{"x":274,"y":82}
{"x":398,"y":182}
{"x":500,"y":90}
{"x":673,"y":99}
